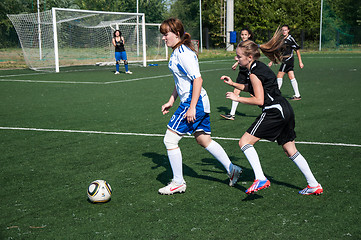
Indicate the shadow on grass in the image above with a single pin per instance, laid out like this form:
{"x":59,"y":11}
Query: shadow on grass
{"x":212,"y":166}
{"x":166,"y":176}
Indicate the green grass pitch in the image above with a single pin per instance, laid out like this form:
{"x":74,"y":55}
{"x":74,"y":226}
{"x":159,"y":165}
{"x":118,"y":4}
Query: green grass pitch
{"x":61,"y":131}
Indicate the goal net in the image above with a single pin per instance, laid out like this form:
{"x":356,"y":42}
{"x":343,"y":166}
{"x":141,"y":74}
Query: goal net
{"x":339,"y":29}
{"x":71,"y":37}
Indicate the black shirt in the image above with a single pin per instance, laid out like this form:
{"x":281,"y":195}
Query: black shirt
{"x":269,"y":82}
{"x":289,"y":45}
{"x":119,"y":46}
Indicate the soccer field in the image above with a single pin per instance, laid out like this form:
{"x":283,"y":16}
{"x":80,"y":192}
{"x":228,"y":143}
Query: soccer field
{"x":60,"y":131}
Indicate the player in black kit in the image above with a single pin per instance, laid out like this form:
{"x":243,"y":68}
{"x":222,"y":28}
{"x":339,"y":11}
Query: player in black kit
{"x":287,"y":65}
{"x":243,"y":73}
{"x":277,"y":121}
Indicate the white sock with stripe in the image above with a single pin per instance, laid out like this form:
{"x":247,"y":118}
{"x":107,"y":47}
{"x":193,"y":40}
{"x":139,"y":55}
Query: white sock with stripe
{"x":175,"y":159}
{"x":253,"y":159}
{"x":295,"y":87}
{"x":218,"y":152}
{"x":302,"y":164}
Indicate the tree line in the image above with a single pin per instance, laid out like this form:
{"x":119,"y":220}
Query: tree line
{"x":261,"y":16}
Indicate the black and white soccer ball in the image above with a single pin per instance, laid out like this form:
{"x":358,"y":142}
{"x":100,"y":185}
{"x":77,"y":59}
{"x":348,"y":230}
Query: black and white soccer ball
{"x":99,"y":191}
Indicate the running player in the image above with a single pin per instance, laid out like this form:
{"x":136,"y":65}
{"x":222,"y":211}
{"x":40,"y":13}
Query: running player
{"x":288,"y":63}
{"x":192,"y":115}
{"x":246,"y":34}
{"x":277,"y":120}
{"x":120,"y":53}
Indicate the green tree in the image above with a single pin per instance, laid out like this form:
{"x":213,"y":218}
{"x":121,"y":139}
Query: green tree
{"x":188,"y":12}
{"x":262,"y":16}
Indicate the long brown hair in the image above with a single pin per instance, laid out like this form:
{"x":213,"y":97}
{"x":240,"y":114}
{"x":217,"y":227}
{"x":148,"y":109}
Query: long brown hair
{"x":175,"y":26}
{"x":273,"y":49}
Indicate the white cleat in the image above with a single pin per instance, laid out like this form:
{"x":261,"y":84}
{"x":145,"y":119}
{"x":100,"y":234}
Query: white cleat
{"x":128,"y":72}
{"x":234,"y":175}
{"x":172,"y":188}
{"x":116,"y":72}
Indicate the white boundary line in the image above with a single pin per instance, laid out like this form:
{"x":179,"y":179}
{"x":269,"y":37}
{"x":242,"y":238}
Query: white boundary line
{"x":157,"y":135}
{"x":99,"y":83}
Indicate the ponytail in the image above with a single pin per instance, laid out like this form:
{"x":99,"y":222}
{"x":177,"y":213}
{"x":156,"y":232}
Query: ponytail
{"x":273,"y":49}
{"x":186,"y":40}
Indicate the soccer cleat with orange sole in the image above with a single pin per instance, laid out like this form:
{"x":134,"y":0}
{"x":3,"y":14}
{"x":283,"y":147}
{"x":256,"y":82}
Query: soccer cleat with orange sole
{"x":258,"y":185}
{"x":312,"y":190}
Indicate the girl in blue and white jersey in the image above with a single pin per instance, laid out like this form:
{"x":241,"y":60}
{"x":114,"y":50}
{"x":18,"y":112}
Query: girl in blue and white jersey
{"x":192,"y":115}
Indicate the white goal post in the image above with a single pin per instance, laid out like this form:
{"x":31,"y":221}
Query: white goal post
{"x":70,"y":37}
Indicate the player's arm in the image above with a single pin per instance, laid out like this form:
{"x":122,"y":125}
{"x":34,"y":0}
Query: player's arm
{"x":169,"y":104}
{"x":234,"y":66}
{"x":113,"y":41}
{"x":123,"y":40}
{"x":256,"y":99}
{"x":299,"y":58}
{"x":196,"y":92}
{"x":239,"y":86}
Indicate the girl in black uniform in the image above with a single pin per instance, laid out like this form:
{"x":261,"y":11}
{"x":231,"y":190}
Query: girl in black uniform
{"x":288,"y":62}
{"x":277,"y":120}
{"x":246,"y":35}
{"x":120,"y":54}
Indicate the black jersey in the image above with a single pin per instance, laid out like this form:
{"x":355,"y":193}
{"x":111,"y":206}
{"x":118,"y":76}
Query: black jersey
{"x":269,"y":82}
{"x":277,"y":120}
{"x":243,"y":74}
{"x":119,"y":46}
{"x":289,"y":46}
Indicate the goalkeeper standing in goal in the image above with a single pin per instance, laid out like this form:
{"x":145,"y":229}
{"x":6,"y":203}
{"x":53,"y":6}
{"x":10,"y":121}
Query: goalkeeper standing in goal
{"x":192,"y":115}
{"x":120,"y":54}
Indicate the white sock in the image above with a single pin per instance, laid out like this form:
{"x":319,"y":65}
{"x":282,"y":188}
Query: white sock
{"x":295,"y":87}
{"x":253,"y":159}
{"x":302,"y":164}
{"x":175,"y":159}
{"x":218,"y":152}
{"x":279,"y":82}
{"x":234,"y":107}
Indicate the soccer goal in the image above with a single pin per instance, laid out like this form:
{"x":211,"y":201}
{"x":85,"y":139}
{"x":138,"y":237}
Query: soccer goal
{"x":71,"y":37}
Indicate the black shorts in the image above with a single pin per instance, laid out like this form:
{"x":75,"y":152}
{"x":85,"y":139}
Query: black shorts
{"x":277,"y":122}
{"x":286,"y":68}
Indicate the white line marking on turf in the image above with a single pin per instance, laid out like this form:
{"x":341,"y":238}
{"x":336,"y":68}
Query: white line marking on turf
{"x":138,"y":79}
{"x":158,"y":135}
{"x":43,"y":81}
{"x":99,"y":83}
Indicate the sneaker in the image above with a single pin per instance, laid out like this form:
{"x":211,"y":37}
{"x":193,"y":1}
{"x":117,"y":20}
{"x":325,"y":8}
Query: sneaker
{"x":258,"y":185}
{"x":312,"y":190}
{"x":116,"y":72}
{"x":295,"y":98}
{"x":234,"y":175}
{"x":228,"y":116}
{"x":172,"y":188}
{"x":128,"y":72}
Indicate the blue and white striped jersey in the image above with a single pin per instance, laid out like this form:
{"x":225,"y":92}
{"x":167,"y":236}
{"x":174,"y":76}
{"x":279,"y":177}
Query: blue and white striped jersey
{"x":183,"y":63}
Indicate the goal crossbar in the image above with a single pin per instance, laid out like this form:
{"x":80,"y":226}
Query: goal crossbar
{"x":56,"y":47}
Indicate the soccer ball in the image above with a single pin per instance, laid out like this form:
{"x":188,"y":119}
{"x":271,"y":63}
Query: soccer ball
{"x":99,"y":191}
